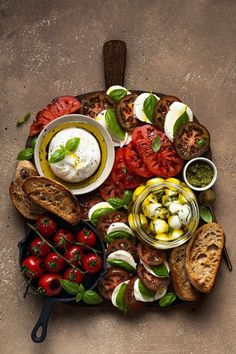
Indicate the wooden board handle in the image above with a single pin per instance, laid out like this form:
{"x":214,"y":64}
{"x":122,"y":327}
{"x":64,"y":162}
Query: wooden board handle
{"x":114,"y":57}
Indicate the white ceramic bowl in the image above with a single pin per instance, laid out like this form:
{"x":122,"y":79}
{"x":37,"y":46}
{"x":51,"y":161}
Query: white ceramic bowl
{"x":213,"y":166}
{"x":97,"y":130}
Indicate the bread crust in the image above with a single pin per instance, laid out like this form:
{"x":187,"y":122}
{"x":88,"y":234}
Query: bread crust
{"x":21,"y":202}
{"x":179,"y":277}
{"x":54,"y":197}
{"x":203,"y":256}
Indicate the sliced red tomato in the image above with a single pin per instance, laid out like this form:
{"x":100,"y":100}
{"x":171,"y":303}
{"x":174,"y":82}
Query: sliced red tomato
{"x":163,"y":162}
{"x":60,"y":106}
{"x":120,"y":173}
{"x":110,"y":189}
{"x":135,"y":163}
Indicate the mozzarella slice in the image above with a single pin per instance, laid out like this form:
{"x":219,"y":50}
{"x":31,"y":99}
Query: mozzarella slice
{"x":140,"y":297}
{"x":97,"y":206}
{"x":116,"y":292}
{"x":119,"y":226}
{"x":149,"y":269}
{"x":176,"y":109}
{"x":122,"y":256}
{"x":138,"y":108}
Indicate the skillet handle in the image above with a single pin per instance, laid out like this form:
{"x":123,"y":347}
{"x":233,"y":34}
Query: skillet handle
{"x":42,"y":322}
{"x":114,"y":57}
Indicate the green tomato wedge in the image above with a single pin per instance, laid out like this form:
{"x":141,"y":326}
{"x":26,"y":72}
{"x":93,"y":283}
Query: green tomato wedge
{"x":121,"y":264}
{"x":117,"y":132}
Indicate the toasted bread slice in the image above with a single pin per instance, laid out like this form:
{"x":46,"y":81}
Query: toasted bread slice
{"x":203,"y":256}
{"x":180,"y":281}
{"x":21,"y":202}
{"x":54,"y":197}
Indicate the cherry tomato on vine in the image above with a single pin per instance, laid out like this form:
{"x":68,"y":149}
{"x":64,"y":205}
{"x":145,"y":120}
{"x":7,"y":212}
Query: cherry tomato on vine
{"x":46,"y":225}
{"x":32,"y":267}
{"x":63,"y":238}
{"x":49,"y":284}
{"x":54,"y":263}
{"x":92,"y":263}
{"x":39,"y":248}
{"x":73,"y":275}
{"x":74,"y":255}
{"x":86,"y":237}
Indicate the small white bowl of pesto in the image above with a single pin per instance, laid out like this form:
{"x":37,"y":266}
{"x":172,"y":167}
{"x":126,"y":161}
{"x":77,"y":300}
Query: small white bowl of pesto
{"x":200,"y":174}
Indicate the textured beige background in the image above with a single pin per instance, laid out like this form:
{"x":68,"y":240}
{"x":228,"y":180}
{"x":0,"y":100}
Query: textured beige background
{"x":50,"y":48}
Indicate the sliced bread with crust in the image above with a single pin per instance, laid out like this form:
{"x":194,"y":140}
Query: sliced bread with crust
{"x":21,"y":202}
{"x":54,"y":197}
{"x":203,"y":256}
{"x":179,"y":277}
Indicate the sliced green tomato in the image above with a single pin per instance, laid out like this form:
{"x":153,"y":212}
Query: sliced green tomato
{"x":98,"y":213}
{"x":118,"y":234}
{"x":118,"y":297}
{"x":117,"y":132}
{"x":122,"y":264}
{"x":144,"y":291}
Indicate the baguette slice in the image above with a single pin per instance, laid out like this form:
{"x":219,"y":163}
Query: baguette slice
{"x":203,"y":256}
{"x":21,"y":202}
{"x":180,"y":281}
{"x":54,"y":197}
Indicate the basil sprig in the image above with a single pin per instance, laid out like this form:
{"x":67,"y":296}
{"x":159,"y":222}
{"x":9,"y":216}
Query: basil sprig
{"x":156,"y":144}
{"x":183,"y":119}
{"x":113,"y":125}
{"x":98,"y":213}
{"x":161,"y":270}
{"x":205,"y":214}
{"x":117,"y":94}
{"x":27,"y":154}
{"x":119,"y":203}
{"x":112,"y":236}
{"x":23,"y":120}
{"x":121,"y":264}
{"x":59,"y":154}
{"x":90,"y":297}
{"x":149,"y":106}
{"x":167,"y":299}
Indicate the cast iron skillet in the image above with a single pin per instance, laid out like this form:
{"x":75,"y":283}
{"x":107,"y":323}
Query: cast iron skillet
{"x":89,"y":282}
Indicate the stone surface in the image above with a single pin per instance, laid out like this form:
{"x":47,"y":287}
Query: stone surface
{"x":186,"y":48}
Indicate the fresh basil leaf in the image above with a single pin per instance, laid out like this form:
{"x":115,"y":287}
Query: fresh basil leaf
{"x":98,"y":213}
{"x":57,"y":156}
{"x":145,"y":291}
{"x":183,"y":119}
{"x":117,"y":94}
{"x":149,"y":106}
{"x":33,"y":142}
{"x":161,"y":271}
{"x":91,"y":297}
{"x":116,"y":203}
{"x":205,"y":214}
{"x":70,"y":287}
{"x":127,"y":197}
{"x":201,"y":143}
{"x":72,"y":144}
{"x":118,"y":234}
{"x":120,"y":299}
{"x":23,"y":120}
{"x":79,"y":297}
{"x":25,"y":154}
{"x":81,"y":288}
{"x":167,"y":299}
{"x":114,"y":127}
{"x":156,"y":144}
{"x":121,"y":264}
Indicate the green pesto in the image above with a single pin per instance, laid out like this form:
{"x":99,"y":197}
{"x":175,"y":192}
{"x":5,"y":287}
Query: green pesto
{"x":199,"y":174}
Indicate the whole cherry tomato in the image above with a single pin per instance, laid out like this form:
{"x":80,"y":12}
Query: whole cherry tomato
{"x":39,"y":248}
{"x":63,"y":238}
{"x":54,"y":263}
{"x":92,"y":263}
{"x":49,"y":284}
{"x":86,"y":237}
{"x":46,"y":225}
{"x":73,"y":275}
{"x":32,"y":267}
{"x":74,"y":254}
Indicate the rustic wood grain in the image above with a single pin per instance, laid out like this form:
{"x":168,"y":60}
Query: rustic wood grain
{"x":114,"y":56}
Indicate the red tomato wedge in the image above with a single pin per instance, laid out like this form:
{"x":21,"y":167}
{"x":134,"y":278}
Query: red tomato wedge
{"x":164,"y":162}
{"x":60,"y":106}
{"x":120,"y":173}
{"x":135,"y":163}
{"x":110,"y":189}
